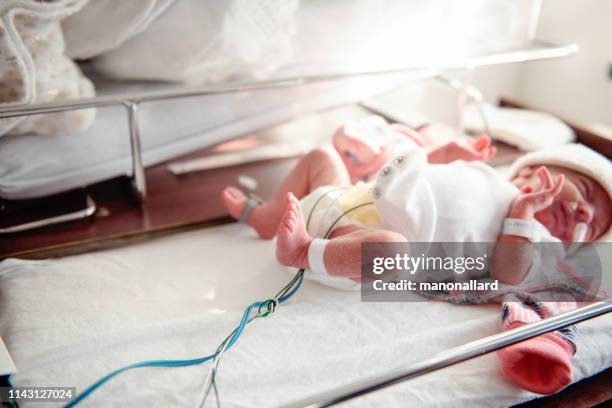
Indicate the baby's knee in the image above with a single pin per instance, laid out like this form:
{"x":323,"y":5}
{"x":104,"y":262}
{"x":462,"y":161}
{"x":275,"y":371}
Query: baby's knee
{"x":321,"y":155}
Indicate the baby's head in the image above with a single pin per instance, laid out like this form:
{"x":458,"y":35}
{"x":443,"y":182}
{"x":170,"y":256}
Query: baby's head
{"x":581,"y":212}
{"x":583,"y":209}
{"x":361,"y":145}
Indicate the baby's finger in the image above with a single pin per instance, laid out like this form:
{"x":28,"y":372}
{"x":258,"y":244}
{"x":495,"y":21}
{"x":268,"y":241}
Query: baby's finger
{"x":484,"y":154}
{"x":482,"y":142}
{"x":558,"y":185}
{"x":544,"y":198}
{"x":546,"y":177}
{"x":540,"y":200}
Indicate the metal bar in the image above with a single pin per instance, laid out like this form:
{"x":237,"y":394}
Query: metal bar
{"x":453,"y":356}
{"x":139,"y":183}
{"x":537,"y":51}
{"x":73,"y":216}
{"x":473,"y":95}
{"x":462,"y":99}
{"x":535,"y":18}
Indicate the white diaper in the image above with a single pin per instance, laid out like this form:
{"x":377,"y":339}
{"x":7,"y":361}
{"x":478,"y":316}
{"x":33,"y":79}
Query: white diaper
{"x":331,"y":207}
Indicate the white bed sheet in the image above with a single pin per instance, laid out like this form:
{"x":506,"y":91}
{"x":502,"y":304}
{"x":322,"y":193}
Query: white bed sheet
{"x":70,"y":321}
{"x":35,"y":166}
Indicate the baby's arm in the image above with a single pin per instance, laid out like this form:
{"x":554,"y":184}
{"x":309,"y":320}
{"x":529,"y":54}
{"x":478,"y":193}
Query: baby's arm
{"x":468,"y":150}
{"x":361,"y":161}
{"x":514,"y":254}
{"x":457,"y":149}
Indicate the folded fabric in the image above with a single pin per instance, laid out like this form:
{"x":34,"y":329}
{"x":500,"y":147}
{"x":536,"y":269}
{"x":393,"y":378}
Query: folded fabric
{"x":87,"y":32}
{"x":219,"y":41}
{"x":33,"y":67}
{"x":526,"y":129}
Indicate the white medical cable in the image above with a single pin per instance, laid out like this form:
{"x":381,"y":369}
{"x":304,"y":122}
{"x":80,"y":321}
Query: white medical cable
{"x":209,"y":382}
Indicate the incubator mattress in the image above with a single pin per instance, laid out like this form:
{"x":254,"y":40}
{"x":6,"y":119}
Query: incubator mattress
{"x":34,"y":166}
{"x":70,"y":321}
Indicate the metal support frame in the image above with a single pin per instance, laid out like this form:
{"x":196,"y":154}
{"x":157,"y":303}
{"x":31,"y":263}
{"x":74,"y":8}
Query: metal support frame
{"x":463,"y":99}
{"x":58,"y":219}
{"x":139,"y":183}
{"x":453,"y":356}
{"x":537,"y":50}
{"x":467,"y":94}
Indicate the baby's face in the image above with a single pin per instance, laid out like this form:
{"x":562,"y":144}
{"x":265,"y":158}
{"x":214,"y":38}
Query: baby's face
{"x":359,"y":159}
{"x":582,"y":200}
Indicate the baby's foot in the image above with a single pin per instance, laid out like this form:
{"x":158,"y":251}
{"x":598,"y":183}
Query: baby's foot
{"x":292,"y":238}
{"x":235,"y":202}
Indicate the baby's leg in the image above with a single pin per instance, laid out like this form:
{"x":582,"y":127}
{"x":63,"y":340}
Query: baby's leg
{"x":320,"y":167}
{"x":342,"y":255}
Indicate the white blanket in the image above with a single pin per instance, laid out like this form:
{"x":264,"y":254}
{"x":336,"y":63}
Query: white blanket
{"x":70,"y":321}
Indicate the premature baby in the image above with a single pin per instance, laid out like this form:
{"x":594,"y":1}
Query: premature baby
{"x":398,"y":186}
{"x":388,"y":183}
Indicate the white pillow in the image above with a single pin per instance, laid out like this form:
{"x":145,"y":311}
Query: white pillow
{"x":198,"y":41}
{"x":526,"y":129}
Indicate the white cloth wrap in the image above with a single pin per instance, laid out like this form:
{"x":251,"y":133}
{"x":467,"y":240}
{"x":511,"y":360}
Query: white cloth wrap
{"x":456,"y":202}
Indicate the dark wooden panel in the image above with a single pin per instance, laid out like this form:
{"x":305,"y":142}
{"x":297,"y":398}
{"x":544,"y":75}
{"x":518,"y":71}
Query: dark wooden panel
{"x":590,"y":392}
{"x":171,"y":202}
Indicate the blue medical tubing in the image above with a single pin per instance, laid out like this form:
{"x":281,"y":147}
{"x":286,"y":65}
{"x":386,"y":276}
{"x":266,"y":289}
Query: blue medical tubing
{"x":246,"y":319}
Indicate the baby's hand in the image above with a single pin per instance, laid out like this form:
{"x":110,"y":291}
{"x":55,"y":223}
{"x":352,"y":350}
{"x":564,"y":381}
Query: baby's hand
{"x":478,"y":149}
{"x":531,"y":202}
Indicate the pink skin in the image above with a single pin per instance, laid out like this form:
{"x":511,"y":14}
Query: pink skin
{"x":361,"y":161}
{"x":478,"y":149}
{"x":560,"y":198}
{"x":292,"y":238}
